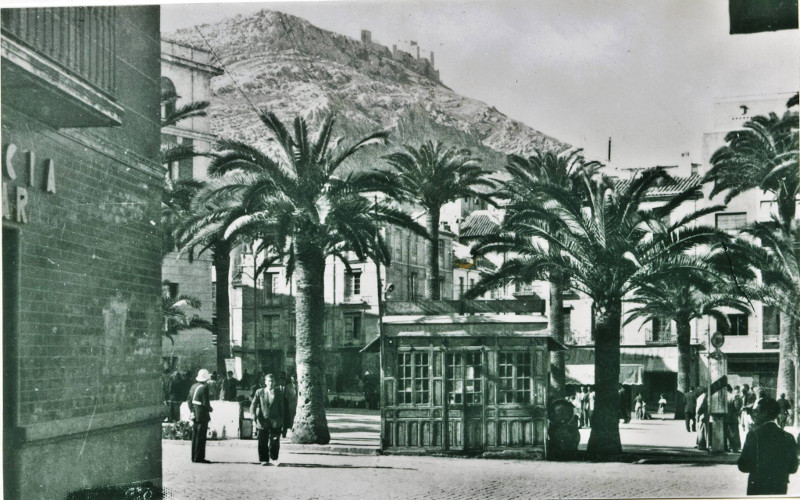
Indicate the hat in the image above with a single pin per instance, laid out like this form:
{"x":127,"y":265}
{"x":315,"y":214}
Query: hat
{"x":202,"y":375}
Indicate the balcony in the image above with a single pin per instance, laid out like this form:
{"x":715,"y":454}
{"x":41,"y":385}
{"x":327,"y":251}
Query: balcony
{"x":662,"y":337}
{"x":59,"y":64}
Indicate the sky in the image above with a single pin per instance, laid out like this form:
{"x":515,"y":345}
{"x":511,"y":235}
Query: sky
{"x":644,"y":73}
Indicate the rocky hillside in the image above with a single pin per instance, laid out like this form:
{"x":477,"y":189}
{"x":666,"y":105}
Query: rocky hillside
{"x":291,"y":67}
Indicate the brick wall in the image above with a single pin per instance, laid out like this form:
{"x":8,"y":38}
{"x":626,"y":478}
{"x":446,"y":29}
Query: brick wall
{"x":88,"y":332}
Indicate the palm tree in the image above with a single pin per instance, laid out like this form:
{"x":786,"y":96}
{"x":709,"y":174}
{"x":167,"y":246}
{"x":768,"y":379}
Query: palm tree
{"x":299,"y":203}
{"x":682,"y":297}
{"x":527,"y":175}
{"x":607,"y":240}
{"x":176,"y":318}
{"x":764,"y":155}
{"x":202,"y":229}
{"x":432,"y":176}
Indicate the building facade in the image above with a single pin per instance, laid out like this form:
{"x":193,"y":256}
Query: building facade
{"x":81,"y":250}
{"x":186,"y":74}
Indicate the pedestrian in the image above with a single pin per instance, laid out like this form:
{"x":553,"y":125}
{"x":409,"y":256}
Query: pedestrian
{"x":785,"y":410}
{"x":731,"y":422}
{"x":590,"y":406}
{"x":213,"y":387}
{"x":701,"y":419}
{"x":372,"y":393}
{"x":176,"y":395}
{"x":662,"y":404}
{"x":585,"y":406}
{"x":638,"y":401}
{"x":258,"y":383}
{"x":290,"y":395}
{"x":200,"y":407}
{"x":689,"y":410}
{"x":748,"y":401}
{"x":578,"y":402}
{"x":624,"y":407}
{"x":769,"y":454}
{"x":229,"y":390}
{"x":267,"y":409}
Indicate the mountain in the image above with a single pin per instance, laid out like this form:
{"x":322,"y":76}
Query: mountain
{"x":287,"y":65}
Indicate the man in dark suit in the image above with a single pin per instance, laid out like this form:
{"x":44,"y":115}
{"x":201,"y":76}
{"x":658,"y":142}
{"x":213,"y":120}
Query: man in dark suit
{"x":268,"y":412}
{"x":769,"y":453}
{"x":689,"y":410}
{"x":200,"y":406}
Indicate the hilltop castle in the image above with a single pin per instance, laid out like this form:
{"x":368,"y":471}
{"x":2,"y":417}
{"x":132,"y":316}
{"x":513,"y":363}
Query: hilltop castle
{"x":409,"y":54}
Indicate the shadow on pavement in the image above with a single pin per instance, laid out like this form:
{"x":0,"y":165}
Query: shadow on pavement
{"x":343,"y":466}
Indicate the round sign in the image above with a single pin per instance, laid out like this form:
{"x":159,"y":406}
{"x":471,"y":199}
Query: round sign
{"x":717,"y":339}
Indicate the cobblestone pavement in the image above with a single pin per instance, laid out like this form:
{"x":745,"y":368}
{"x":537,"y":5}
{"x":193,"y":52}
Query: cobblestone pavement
{"x":316,"y":472}
{"x":235,"y":474}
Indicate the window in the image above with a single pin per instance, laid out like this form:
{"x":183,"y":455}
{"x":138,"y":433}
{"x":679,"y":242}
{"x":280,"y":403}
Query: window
{"x":771,"y":323}
{"x":414,"y":378}
{"x":270,"y":282}
{"x":352,"y":326}
{"x":413,"y":249}
{"x":292,"y":331}
{"x":397,"y":242}
{"x":412,"y":286}
{"x":464,"y":377}
{"x":461,"y":286}
{"x":514,"y":369}
{"x":169,"y":289}
{"x":738,"y":324}
{"x":270,"y":326}
{"x":442,"y":254}
{"x":352,"y":284}
{"x":731,"y":221}
{"x":441,"y":286}
{"x":662,"y":329}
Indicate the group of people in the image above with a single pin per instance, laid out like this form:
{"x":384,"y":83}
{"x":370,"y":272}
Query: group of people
{"x":273,"y":409}
{"x":738,"y":417}
{"x":583,"y":401}
{"x":176,"y":389}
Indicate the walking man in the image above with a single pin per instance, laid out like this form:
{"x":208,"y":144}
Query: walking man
{"x":200,"y":406}
{"x":769,"y":453}
{"x":268,"y":412}
{"x":731,"y":422}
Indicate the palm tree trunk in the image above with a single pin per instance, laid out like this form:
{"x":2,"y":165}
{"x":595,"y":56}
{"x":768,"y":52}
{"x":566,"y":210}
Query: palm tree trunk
{"x":310,"y":422}
{"x":434,"y":289}
{"x":557,"y":375}
{"x":222,"y":265}
{"x":604,"y":441}
{"x":684,"y":365}
{"x":786,"y":362}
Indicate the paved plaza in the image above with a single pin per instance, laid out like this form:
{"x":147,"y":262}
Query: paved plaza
{"x":349,"y":468}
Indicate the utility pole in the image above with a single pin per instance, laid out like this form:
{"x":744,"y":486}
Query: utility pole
{"x":255,"y":306}
{"x":380,"y":321}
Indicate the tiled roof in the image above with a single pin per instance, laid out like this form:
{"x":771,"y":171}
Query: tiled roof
{"x":667,"y":187}
{"x":479,"y":223}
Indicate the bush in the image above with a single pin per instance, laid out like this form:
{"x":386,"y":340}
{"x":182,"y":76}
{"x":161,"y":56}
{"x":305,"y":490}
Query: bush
{"x":181,"y":431}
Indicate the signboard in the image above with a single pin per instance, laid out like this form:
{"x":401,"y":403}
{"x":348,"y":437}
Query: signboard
{"x":230,"y":365}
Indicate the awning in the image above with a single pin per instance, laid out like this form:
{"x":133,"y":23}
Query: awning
{"x":654,"y":359}
{"x":584,"y":374}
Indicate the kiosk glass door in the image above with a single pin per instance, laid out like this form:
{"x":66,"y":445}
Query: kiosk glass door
{"x":465,"y":393}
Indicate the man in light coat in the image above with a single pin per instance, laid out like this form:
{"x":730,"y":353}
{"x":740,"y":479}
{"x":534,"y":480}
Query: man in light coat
{"x":268,"y":410}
